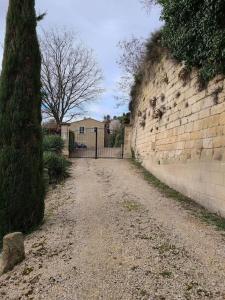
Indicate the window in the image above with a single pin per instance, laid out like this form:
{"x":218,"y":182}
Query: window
{"x":81,"y":130}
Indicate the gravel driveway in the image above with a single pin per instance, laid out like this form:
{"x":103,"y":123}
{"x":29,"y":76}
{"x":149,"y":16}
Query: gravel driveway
{"x":108,"y":235}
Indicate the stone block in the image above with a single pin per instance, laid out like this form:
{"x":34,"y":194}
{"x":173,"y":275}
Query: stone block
{"x":193,"y":117}
{"x":189,"y":144}
{"x":197,"y":125}
{"x":13,"y":251}
{"x":208,"y":143}
{"x":196,"y":107}
{"x":218,"y":109}
{"x":189,"y":127}
{"x":204,"y":113}
{"x":222,"y":119}
{"x":218,"y":154}
{"x":207,"y":102}
{"x":207,"y":154}
{"x":218,"y":142}
{"x":210,"y":132}
{"x":196,"y":135}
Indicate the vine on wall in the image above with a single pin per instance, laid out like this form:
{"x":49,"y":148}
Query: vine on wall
{"x":194,"y":31}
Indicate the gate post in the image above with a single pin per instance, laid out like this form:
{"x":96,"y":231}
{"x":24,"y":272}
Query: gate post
{"x":127,"y":153}
{"x":122,"y":149}
{"x":96,"y":143}
{"x":65,"y":137}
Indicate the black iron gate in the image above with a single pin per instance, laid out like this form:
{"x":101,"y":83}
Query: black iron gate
{"x":96,"y":143}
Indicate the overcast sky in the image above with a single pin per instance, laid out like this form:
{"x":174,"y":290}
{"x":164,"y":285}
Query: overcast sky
{"x":101,"y":24}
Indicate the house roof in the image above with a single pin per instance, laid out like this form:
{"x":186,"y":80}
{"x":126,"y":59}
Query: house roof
{"x":85,"y":119}
{"x":50,"y":125}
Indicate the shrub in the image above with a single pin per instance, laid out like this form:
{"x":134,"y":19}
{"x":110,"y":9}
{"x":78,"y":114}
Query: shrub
{"x":45,"y":131}
{"x":57,"y":165}
{"x":154,"y":49}
{"x":199,"y":39}
{"x":53,"y":143}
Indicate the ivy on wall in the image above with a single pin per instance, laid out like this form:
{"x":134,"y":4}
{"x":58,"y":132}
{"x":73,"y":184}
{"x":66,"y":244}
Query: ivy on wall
{"x":194,"y":32}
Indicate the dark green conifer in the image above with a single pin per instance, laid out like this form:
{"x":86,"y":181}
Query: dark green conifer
{"x":21,"y":169}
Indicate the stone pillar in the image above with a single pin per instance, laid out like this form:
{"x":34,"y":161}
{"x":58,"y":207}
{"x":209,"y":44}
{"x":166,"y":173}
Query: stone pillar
{"x":65,"y":136}
{"x":127,"y":141}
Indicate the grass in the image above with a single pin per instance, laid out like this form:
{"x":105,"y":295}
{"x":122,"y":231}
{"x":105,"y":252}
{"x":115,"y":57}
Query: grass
{"x":186,"y":202}
{"x":166,"y":274}
{"x":165,"y":248}
{"x":131,"y":205}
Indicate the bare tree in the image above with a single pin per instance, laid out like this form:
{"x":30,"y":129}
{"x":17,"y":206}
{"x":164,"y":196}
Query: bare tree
{"x":130,"y":61}
{"x":132,"y":54}
{"x":70,"y":76}
{"x":148,"y":3}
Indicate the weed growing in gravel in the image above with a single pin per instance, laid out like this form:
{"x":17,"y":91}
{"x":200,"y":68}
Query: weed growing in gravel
{"x":144,"y":293}
{"x":186,"y":202}
{"x":165,"y":248}
{"x":166,"y":274}
{"x":144,"y":237}
{"x":191,"y":285}
{"x":131,"y":205}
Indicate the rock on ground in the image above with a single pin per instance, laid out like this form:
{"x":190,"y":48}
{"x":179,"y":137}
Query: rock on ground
{"x":109,"y":235}
{"x":13,"y":251}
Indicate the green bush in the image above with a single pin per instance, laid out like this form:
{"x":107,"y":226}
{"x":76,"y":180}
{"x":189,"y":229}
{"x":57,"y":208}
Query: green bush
{"x":53,"y":143}
{"x":194,"y":31}
{"x":57,"y":165}
{"x":45,"y":131}
{"x":153,"y":47}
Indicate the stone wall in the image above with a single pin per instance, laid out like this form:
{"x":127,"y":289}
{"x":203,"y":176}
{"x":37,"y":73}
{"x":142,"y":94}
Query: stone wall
{"x":178,"y":132}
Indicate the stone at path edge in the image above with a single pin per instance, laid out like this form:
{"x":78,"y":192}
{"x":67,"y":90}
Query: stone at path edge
{"x":13,"y":251}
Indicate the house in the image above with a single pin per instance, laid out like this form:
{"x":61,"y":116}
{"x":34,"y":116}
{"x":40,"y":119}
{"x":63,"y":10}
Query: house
{"x":85,"y":133}
{"x":51,"y":127}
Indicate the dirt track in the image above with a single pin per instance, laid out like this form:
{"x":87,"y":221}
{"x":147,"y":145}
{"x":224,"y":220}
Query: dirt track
{"x":109,"y":235}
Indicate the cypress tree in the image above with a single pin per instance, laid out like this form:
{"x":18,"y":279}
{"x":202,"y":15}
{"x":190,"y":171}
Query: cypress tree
{"x":21,"y":168}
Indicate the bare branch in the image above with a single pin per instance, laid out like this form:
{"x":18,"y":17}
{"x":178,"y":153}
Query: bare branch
{"x":130,"y":62}
{"x":70,"y":75}
{"x":147,"y":4}
{"x":132,"y":55}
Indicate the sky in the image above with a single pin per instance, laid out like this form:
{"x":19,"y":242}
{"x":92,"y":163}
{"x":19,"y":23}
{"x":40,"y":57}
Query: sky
{"x":101,"y":24}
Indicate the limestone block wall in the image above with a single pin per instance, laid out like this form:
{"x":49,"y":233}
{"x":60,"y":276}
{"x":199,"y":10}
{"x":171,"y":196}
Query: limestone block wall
{"x":178,"y":132}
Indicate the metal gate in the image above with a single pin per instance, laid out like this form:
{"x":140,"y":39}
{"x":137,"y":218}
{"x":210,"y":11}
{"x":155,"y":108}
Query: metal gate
{"x":96,"y":143}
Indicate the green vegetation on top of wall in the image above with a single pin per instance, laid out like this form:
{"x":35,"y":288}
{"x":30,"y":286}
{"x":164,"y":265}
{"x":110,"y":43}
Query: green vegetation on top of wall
{"x":194,"y":32}
{"x":154,"y":51}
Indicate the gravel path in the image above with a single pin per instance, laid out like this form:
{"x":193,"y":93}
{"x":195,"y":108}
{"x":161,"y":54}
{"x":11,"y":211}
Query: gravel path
{"x":109,"y":235}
